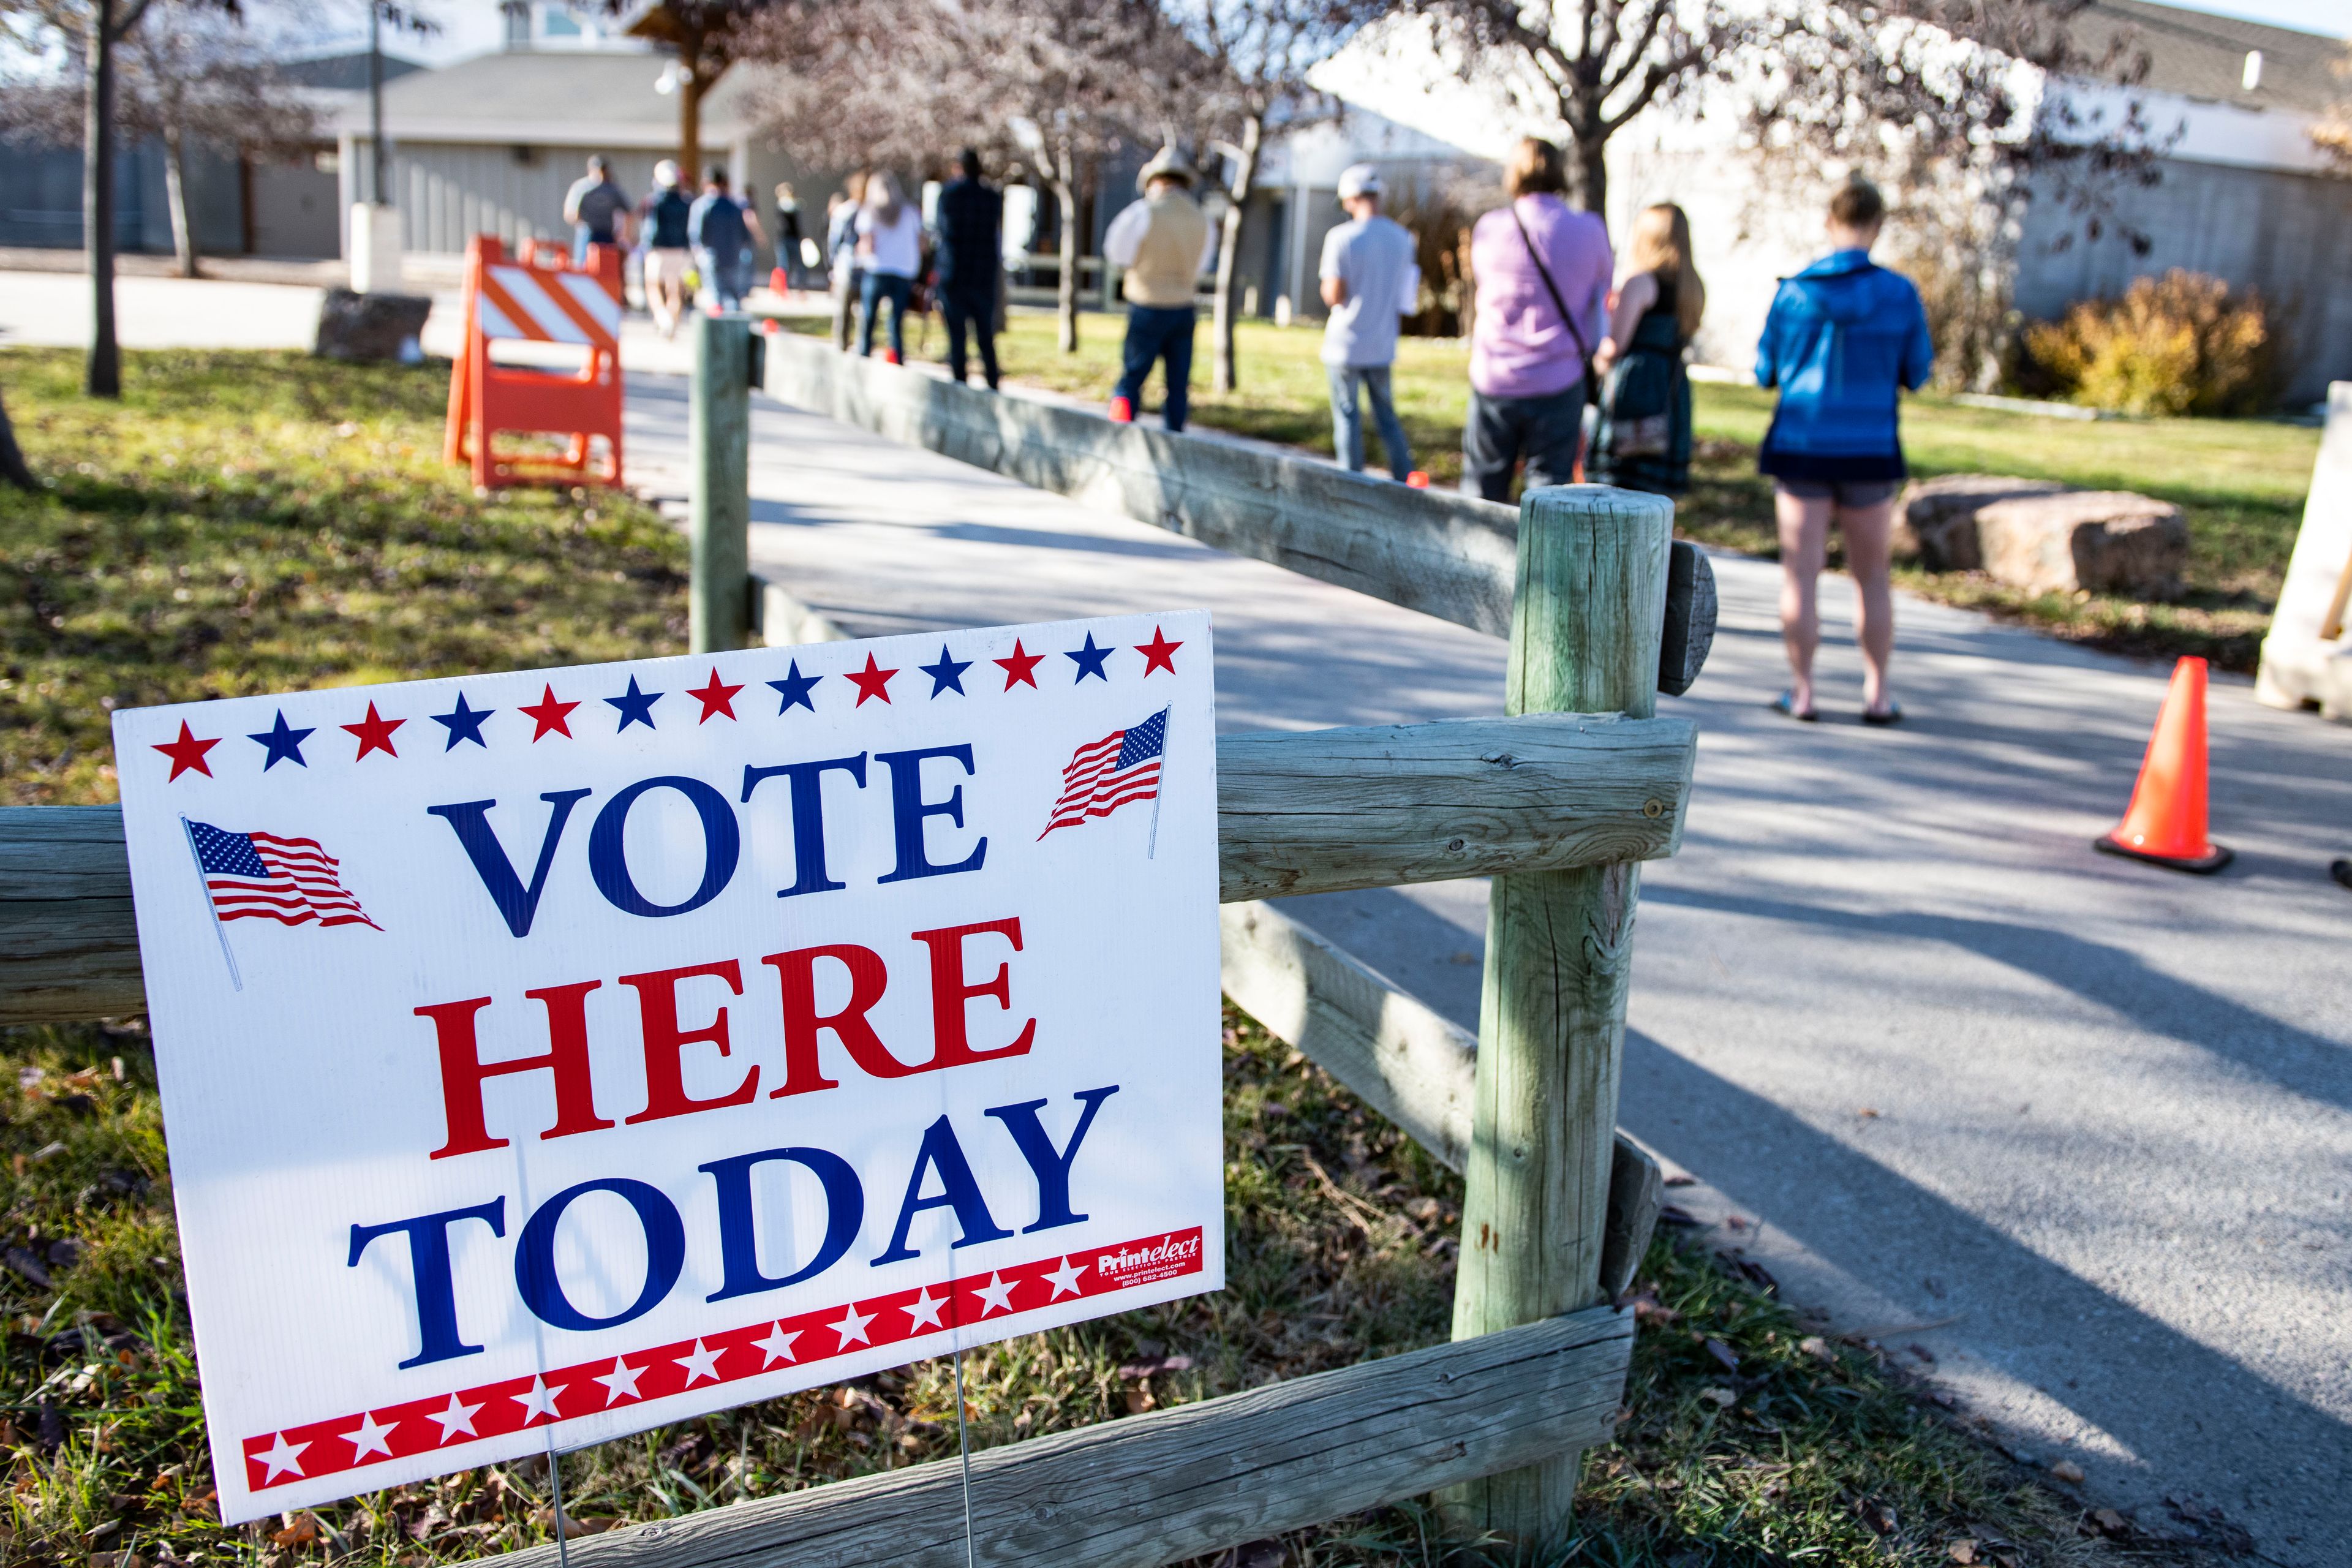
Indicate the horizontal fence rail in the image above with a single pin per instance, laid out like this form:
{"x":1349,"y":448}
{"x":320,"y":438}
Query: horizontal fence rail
{"x":1312,"y":812}
{"x":1188,"y":1481}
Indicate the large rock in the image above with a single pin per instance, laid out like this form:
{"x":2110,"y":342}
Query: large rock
{"x":2105,"y":542}
{"x":1936,"y":520}
{"x":373,"y":326}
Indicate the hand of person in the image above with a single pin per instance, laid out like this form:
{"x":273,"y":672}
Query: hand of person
{"x":1605,"y":355}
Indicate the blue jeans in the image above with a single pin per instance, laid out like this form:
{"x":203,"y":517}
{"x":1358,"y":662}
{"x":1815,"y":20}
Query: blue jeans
{"x":1164,"y":333}
{"x":879,"y":287}
{"x":582,"y":236}
{"x":1348,"y":416}
{"x":728,"y":280}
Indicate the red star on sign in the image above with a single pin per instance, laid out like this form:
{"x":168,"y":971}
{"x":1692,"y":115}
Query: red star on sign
{"x":376,"y":733}
{"x":715,"y":698}
{"x":871,"y":681}
{"x":187,"y":753}
{"x":1019,"y":668}
{"x":1159,"y":653}
{"x":550,"y":717}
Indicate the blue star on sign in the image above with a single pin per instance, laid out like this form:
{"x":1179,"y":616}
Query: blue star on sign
{"x":795,"y":689}
{"x":284,"y":741}
{"x":946,"y":675}
{"x":1090,"y":659}
{"x":636,"y":707}
{"x":464,"y":724}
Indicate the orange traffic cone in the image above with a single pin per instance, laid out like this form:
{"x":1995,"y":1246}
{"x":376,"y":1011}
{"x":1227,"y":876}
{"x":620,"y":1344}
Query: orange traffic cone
{"x":2166,"y":824}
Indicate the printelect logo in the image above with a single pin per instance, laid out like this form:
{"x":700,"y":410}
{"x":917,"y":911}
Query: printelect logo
{"x":1160,"y":1255}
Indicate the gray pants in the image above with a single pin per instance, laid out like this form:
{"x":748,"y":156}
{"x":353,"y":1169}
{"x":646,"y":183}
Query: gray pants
{"x":1348,"y":416}
{"x":1547,"y":431}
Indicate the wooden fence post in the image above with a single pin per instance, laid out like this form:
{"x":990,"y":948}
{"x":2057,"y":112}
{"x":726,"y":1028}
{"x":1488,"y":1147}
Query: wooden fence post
{"x":1586,"y":615}
{"x":718,"y":493}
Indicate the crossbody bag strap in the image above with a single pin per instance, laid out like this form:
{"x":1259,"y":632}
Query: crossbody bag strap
{"x":1583,"y":355}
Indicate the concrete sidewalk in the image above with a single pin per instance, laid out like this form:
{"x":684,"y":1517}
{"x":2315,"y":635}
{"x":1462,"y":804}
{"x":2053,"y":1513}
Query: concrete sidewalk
{"x":2074,"y":1127}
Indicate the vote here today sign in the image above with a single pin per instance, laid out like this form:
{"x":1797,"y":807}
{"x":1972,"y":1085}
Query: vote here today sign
{"x":551,"y":1054}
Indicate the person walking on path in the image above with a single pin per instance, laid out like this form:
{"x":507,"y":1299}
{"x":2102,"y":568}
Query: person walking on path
{"x":841,"y":254}
{"x":890,"y":252}
{"x":1641,"y":438}
{"x":1370,"y":280}
{"x":788,"y":234}
{"x":971,"y":228}
{"x":1165,"y":242}
{"x":722,"y":231}
{"x":1845,"y":338}
{"x":1542,"y":271}
{"x":664,"y":220}
{"x":597,"y":209}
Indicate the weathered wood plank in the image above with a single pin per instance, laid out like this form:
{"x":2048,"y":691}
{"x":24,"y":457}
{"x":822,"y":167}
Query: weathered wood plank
{"x":1321,"y":810}
{"x":1309,"y":812}
{"x":1585,"y":636}
{"x":1414,"y":1066}
{"x":1185,"y":1481}
{"x":719,"y":482}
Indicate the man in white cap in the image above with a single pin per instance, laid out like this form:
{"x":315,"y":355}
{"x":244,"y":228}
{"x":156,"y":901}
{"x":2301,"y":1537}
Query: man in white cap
{"x":663,"y":219}
{"x":1165,"y":241}
{"x":1369,"y":279}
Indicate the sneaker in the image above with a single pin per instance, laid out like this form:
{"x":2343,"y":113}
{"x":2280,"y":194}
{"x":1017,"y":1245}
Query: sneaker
{"x":1122,"y":411}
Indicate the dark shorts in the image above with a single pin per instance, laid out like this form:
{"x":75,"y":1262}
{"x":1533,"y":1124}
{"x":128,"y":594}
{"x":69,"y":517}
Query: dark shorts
{"x":1852,"y":495}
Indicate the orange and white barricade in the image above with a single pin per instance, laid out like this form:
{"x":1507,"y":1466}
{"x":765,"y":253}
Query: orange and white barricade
{"x":538,"y":297}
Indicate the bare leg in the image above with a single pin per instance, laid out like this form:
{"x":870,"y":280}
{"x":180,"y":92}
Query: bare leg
{"x":1867,"y":531}
{"x":1804,"y":535}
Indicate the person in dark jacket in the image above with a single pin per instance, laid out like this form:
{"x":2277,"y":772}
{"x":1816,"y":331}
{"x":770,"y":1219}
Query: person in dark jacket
{"x":971,"y":230}
{"x":1844,"y":338}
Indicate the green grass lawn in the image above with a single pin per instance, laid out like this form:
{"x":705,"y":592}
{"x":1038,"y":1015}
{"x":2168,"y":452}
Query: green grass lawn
{"x":244,"y":522}
{"x":2241,"y":481}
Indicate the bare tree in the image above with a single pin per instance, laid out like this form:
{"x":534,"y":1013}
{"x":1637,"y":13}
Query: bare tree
{"x":1063,"y":83}
{"x":2333,"y":132}
{"x":706,"y":36}
{"x":1256,"y":54}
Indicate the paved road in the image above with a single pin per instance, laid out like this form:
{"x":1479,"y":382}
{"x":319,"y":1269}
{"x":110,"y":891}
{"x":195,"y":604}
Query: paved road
{"x":2076,"y":1128}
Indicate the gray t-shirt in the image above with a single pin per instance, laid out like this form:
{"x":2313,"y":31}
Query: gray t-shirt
{"x":1373,"y":256}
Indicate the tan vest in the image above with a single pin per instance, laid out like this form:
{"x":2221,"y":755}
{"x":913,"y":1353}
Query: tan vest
{"x":1168,"y":260}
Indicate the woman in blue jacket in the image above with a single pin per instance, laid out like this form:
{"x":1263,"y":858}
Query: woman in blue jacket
{"x":1844,"y":337}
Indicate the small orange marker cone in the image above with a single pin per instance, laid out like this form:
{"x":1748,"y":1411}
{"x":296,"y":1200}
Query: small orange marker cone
{"x":2166,"y":824}
{"x":1417,"y":479}
{"x":778,"y":282}
{"x":1122,"y":411}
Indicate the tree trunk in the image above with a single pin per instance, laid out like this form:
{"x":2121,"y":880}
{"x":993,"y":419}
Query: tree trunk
{"x":1591,"y":172}
{"x":1221,"y":377}
{"x":689,"y":116}
{"x":12,"y":459}
{"x":176,"y":191}
{"x":102,"y":373}
{"x":1066,"y":292}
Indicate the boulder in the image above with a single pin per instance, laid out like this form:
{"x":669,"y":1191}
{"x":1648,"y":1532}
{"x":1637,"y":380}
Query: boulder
{"x":2103,"y":542}
{"x":1936,"y":520}
{"x":373,"y":326}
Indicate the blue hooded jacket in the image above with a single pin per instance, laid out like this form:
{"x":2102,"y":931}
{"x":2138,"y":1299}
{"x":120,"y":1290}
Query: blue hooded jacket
{"x":1843,"y":334}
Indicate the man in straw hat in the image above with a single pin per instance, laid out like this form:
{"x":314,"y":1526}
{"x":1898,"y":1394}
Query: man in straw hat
{"x":1164,"y":241}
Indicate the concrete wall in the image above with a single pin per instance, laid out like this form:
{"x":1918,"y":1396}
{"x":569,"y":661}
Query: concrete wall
{"x":1443,"y":553}
{"x":2287,"y":235}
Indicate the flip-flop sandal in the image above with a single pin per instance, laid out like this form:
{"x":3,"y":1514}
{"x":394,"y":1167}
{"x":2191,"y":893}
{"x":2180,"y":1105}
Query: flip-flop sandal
{"x":1785,"y":705}
{"x":1893,"y":715}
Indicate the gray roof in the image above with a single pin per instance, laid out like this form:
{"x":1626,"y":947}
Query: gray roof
{"x":2201,"y":55}
{"x":579,"y":96}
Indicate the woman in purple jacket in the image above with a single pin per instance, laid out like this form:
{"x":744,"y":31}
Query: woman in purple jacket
{"x":1845,"y":338}
{"x":1542,"y":270}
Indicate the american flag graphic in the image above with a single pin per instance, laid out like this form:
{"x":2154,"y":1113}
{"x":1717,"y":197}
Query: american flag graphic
{"x":262,"y":876}
{"x":1121,"y":768}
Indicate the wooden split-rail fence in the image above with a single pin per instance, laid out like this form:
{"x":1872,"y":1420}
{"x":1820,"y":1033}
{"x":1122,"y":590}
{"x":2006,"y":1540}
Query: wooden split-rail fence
{"x":1559,"y":803}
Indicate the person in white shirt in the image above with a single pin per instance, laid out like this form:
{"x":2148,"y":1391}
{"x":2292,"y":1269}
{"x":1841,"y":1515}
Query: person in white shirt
{"x":1165,"y":242}
{"x":1369,"y":279}
{"x":890,"y":256}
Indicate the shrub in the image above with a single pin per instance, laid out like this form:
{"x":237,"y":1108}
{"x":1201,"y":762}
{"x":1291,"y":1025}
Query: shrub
{"x":2178,"y":344}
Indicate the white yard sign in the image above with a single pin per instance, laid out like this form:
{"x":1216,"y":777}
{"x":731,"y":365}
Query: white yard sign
{"x":548,"y":1056}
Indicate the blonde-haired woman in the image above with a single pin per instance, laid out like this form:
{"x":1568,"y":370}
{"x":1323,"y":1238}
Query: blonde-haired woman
{"x":1641,"y":440}
{"x":890,"y":250}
